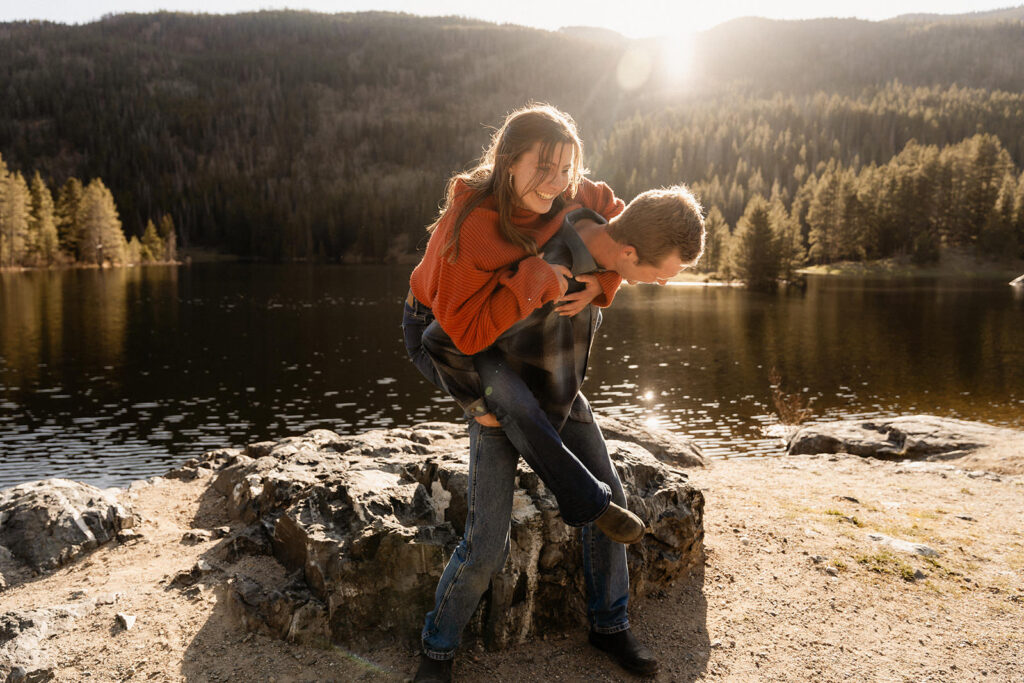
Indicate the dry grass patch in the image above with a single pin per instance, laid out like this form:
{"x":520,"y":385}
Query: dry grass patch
{"x":884,"y":562}
{"x":843,"y":517}
{"x":1015,"y":560}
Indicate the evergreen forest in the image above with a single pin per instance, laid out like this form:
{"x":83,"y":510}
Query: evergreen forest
{"x":292,"y":135}
{"x":81,"y":228}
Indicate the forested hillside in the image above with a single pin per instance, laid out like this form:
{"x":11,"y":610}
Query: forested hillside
{"x":295,"y":135}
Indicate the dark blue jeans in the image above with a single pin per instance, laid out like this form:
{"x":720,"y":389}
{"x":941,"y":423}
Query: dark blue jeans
{"x":415,"y":319}
{"x":485,"y":542}
{"x":582,"y":497}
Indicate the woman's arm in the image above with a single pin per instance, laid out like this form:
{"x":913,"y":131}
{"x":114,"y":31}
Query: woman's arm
{"x":474,"y":302}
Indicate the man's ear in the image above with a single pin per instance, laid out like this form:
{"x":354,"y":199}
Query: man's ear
{"x":628,"y":252}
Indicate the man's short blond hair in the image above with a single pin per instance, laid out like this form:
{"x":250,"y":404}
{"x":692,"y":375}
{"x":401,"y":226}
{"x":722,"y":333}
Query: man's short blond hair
{"x":659,"y":222}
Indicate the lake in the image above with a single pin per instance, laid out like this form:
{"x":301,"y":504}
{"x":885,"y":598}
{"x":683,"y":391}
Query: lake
{"x":112,"y":375}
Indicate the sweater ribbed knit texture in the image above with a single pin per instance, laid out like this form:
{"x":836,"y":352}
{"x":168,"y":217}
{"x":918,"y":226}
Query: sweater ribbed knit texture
{"x":493,"y":284}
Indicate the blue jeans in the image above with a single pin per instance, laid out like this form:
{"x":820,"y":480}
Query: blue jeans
{"x":415,"y":320}
{"x":582,"y":497}
{"x":485,"y":542}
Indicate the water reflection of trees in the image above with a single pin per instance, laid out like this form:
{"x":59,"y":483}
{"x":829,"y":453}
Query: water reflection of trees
{"x":45,"y":315}
{"x":31,"y":306}
{"x":854,"y":344}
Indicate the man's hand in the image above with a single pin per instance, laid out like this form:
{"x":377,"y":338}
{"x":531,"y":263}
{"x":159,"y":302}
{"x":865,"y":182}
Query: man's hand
{"x":488,"y":420}
{"x":572,"y":304}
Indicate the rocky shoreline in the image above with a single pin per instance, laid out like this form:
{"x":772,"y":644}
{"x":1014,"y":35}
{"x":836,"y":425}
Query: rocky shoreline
{"x":320,"y":544}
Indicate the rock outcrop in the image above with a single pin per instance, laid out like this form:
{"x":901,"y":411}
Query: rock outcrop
{"x":365,"y":524}
{"x":668,"y":447}
{"x":22,"y":634}
{"x":916,"y":437}
{"x":49,"y":523}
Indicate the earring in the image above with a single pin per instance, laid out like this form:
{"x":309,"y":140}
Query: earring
{"x":511,"y":182}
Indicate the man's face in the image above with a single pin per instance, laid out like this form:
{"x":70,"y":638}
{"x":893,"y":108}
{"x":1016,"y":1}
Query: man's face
{"x":648,"y":273}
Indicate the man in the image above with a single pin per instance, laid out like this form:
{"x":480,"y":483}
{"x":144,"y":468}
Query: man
{"x":530,"y":380}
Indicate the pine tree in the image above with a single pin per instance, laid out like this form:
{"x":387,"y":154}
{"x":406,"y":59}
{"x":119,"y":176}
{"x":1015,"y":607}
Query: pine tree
{"x":135,"y":253}
{"x":152,"y":245}
{"x":69,"y":199}
{"x":997,"y":237}
{"x":42,"y":224}
{"x":170,"y":240}
{"x":986,"y":163}
{"x":4,"y":238}
{"x":15,"y":207}
{"x":754,"y":255}
{"x":823,"y":216}
{"x":800,"y":206}
{"x":101,"y":238}
{"x":851,"y":226}
{"x":715,"y":241}
{"x":787,"y":237}
{"x":1018,"y":215}
{"x":868,"y":190}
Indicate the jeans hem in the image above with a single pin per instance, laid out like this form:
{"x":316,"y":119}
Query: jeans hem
{"x":439,"y":656}
{"x":591,"y":520}
{"x":608,"y":630}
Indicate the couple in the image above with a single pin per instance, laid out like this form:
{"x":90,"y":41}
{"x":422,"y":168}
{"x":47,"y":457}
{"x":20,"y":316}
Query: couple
{"x":501,"y":314}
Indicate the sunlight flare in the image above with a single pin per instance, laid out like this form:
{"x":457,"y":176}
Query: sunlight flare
{"x":677,"y":58}
{"x":635,"y":67}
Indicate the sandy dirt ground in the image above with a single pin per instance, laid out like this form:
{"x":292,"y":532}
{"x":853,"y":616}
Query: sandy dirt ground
{"x":793,"y":589}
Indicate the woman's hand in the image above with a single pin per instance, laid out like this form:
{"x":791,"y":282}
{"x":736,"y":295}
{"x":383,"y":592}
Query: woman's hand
{"x":488,"y":420}
{"x":574,"y":303}
{"x":564,"y":275}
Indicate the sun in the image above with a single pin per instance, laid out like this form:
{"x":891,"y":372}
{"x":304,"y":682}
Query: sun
{"x":677,"y":58}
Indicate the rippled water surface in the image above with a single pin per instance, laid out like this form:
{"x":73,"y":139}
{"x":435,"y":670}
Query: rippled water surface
{"x":109,"y":376}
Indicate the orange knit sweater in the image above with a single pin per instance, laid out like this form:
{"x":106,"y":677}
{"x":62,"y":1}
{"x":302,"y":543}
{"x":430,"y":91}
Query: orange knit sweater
{"x":481,"y":294}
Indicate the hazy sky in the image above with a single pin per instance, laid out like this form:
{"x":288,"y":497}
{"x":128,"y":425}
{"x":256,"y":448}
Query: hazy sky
{"x":634,"y":18}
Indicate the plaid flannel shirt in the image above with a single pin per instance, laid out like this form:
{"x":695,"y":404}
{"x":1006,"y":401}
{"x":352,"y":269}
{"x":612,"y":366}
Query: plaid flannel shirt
{"x":549,"y":351}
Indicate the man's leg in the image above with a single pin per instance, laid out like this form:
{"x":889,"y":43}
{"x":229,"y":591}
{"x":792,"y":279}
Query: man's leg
{"x":484,"y":545}
{"x":581,"y":496}
{"x":604,"y":561}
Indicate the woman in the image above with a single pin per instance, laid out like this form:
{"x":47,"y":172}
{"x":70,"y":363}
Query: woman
{"x":482,"y":272}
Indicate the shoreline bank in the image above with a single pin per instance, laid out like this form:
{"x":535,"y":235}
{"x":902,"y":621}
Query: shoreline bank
{"x":804,"y":578}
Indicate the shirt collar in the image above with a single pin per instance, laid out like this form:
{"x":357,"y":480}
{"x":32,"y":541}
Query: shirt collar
{"x":582,"y":261}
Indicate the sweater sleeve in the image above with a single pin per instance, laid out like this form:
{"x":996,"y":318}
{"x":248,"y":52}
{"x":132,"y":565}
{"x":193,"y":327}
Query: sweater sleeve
{"x":475,"y":305}
{"x":609,"y":281}
{"x":600,"y":198}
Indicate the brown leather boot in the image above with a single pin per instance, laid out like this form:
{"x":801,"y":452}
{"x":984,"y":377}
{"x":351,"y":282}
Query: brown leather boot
{"x":620,"y":525}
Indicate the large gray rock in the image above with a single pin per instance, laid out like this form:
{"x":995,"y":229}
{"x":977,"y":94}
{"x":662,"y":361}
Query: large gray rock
{"x":666,"y":446}
{"x":366,"y":524}
{"x":923,"y":437}
{"x":23,"y":634}
{"x":48,"y":523}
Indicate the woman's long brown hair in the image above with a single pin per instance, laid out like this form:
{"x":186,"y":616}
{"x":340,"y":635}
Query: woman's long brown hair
{"x":522,"y":129}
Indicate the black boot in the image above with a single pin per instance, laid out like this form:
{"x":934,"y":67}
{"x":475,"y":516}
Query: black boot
{"x":625,"y":649}
{"x":433,"y":670}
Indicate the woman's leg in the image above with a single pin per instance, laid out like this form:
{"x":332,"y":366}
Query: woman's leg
{"x":415,"y":319}
{"x":581,"y":496}
{"x":485,"y":541}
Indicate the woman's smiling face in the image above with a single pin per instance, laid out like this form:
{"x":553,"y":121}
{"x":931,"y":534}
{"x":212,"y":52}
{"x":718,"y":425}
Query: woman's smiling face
{"x":537,"y":181}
